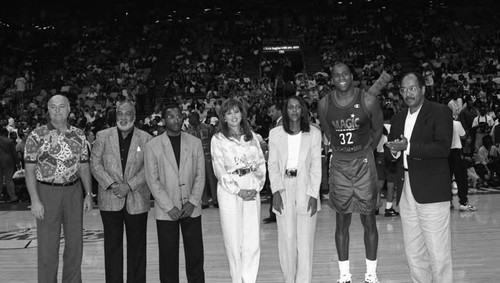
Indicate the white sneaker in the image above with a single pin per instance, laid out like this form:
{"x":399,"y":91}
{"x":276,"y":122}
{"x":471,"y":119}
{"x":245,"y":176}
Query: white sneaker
{"x":371,"y":278}
{"x":467,"y":207}
{"x":344,"y":278}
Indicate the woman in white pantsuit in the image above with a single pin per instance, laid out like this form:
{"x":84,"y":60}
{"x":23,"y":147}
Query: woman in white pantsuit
{"x":239,"y":165}
{"x":295,"y":174}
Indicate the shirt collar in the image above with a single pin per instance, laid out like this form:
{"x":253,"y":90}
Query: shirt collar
{"x":415,"y":114}
{"x":129,"y":134}
{"x":51,"y":127}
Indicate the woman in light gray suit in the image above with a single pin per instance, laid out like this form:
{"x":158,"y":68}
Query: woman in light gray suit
{"x":295,"y":175}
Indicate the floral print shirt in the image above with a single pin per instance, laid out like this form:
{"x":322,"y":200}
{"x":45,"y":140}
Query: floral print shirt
{"x":231,"y":154}
{"x":57,"y":155}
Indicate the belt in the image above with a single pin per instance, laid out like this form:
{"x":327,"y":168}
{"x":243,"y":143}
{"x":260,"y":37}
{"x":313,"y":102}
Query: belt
{"x":241,"y":172}
{"x":406,"y":169}
{"x":59,"y":184}
{"x":291,"y":173}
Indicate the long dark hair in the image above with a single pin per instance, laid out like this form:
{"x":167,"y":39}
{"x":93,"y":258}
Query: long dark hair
{"x":229,"y":104}
{"x":304,"y":118}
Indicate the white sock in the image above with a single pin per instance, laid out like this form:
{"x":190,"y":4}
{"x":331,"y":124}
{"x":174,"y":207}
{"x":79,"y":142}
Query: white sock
{"x":388,"y":205}
{"x":344,"y":267}
{"x":371,"y":266}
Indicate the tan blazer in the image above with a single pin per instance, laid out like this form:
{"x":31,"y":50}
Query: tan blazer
{"x":308,"y":172}
{"x":106,"y":166}
{"x":170,"y":185}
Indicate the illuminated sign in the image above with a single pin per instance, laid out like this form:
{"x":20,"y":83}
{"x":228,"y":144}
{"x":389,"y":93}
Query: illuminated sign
{"x":281,"y":49}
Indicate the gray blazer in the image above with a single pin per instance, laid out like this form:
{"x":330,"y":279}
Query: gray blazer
{"x":106,"y":166}
{"x":172,"y":185}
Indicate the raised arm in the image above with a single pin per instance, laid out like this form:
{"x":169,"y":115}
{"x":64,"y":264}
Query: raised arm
{"x":376,"y":118}
{"x":380,"y":83}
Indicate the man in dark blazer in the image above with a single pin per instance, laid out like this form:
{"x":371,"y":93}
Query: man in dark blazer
{"x":420,"y":139}
{"x":117,"y":163}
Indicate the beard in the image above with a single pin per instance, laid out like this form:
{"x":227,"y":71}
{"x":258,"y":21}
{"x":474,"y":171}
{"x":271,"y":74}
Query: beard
{"x":125,"y":125}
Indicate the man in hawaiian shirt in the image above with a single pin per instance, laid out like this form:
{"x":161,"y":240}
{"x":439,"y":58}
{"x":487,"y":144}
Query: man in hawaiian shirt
{"x":57,"y":165}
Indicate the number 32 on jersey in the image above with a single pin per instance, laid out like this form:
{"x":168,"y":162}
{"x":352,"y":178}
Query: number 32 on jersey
{"x":345,"y":138}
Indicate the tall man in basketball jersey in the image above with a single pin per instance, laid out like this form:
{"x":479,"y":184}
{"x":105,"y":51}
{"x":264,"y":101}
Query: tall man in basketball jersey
{"x":353,"y":122}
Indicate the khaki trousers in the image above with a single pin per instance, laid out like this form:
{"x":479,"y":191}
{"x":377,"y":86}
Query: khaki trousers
{"x":427,"y":238}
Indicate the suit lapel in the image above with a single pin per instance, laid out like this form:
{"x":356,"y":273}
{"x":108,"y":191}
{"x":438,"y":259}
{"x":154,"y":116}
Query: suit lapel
{"x":184,"y":151}
{"x":419,"y":123}
{"x":305,"y":141}
{"x":283,"y":145}
{"x":134,"y":143}
{"x":115,"y":147}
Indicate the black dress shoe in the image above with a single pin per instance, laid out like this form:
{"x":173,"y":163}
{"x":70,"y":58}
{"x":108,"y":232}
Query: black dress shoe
{"x":391,"y":212}
{"x":216,"y":205}
{"x":203,"y":206}
{"x":269,"y":220}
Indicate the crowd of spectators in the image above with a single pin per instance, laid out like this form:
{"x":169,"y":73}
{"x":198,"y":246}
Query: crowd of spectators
{"x":97,"y":63}
{"x":456,"y":56}
{"x":459,"y":59}
{"x":94,"y":63}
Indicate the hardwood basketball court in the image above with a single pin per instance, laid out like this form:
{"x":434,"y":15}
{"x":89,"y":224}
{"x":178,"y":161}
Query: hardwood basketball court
{"x":475,"y":244}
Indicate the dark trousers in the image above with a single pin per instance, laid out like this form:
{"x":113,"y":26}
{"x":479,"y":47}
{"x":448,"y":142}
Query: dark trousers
{"x":272,"y":215}
{"x":6,"y":173}
{"x":62,"y":206}
{"x":136,"y":227}
{"x":458,"y":167}
{"x":168,"y":243}
{"x":211,"y":182}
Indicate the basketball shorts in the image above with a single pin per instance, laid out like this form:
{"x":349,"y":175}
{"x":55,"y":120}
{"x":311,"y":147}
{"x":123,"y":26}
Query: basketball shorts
{"x":353,"y":185}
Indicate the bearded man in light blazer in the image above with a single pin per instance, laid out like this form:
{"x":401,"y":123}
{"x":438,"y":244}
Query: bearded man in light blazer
{"x":117,"y":163}
{"x":175,"y":172}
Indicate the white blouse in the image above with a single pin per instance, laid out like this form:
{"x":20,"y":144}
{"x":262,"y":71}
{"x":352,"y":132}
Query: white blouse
{"x":231,"y":154}
{"x":293,"y":151}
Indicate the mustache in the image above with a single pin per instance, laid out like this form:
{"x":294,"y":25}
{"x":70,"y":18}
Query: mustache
{"x":125,"y":123}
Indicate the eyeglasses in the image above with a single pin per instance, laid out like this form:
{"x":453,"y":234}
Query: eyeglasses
{"x":412,"y":89}
{"x":172,"y":117}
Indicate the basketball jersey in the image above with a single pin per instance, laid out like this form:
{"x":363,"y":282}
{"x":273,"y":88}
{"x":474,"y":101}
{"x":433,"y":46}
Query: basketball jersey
{"x":349,"y":126}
